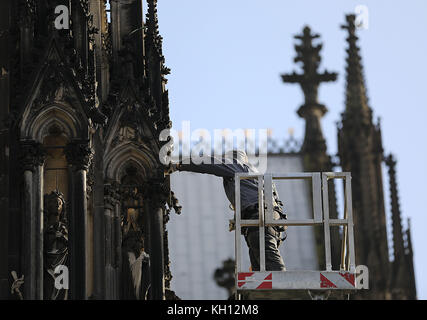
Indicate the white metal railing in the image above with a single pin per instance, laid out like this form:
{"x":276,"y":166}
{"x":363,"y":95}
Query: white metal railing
{"x":326,"y":279}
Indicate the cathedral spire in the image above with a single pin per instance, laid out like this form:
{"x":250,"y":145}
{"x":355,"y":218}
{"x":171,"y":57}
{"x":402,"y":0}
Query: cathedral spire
{"x":153,"y":26}
{"x":312,"y":111}
{"x":360,"y":151}
{"x":412,"y":292}
{"x":356,"y":96}
{"x":398,"y":242}
{"x":408,"y":248}
{"x":402,"y":279}
{"x":155,"y":60}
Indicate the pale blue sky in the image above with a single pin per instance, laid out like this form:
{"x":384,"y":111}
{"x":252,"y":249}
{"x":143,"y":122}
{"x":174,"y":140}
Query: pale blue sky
{"x":226,"y":58}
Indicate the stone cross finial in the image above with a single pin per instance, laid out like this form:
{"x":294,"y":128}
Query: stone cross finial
{"x":308,"y":55}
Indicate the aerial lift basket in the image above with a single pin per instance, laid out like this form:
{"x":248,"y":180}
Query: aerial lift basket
{"x":311,"y":280}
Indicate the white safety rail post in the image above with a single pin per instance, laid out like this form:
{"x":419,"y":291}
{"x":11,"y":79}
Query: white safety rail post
{"x":343,"y":279}
{"x":239,"y":223}
{"x":347,"y":245}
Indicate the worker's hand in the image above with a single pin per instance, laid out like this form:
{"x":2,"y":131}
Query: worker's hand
{"x":172,"y":168}
{"x":231,"y":225}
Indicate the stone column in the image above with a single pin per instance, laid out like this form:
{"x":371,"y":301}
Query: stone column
{"x":79,"y":155}
{"x":115,"y":28}
{"x":155,"y":204}
{"x":98,"y":221}
{"x":110,"y":202}
{"x":32,"y":159}
{"x":38,"y":194}
{"x":5,"y":22}
{"x":117,"y":249}
{"x":29,"y":248}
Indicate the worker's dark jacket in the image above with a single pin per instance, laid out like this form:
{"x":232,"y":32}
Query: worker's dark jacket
{"x":227,"y":170}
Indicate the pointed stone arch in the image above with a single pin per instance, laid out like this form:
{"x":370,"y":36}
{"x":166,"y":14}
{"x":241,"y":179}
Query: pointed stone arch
{"x":36,"y":126}
{"x":128,"y":153}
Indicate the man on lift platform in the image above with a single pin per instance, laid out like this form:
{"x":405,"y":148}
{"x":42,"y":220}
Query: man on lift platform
{"x":234,"y":162}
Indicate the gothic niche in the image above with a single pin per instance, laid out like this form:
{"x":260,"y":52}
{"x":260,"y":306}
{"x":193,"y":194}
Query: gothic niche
{"x":55,"y":167}
{"x":55,"y":244}
{"x":136,"y":261}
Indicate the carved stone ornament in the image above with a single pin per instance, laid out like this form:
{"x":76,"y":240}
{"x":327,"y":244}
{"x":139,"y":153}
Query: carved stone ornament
{"x":32,"y":155}
{"x":111,"y":194}
{"x":79,"y":154}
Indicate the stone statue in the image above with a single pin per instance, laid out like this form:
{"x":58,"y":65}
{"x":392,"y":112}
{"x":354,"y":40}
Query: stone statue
{"x":55,"y":244}
{"x":224,"y":276}
{"x":136,"y":269}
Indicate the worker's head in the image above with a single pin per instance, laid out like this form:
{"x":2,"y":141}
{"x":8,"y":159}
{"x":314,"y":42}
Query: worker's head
{"x":238,"y":155}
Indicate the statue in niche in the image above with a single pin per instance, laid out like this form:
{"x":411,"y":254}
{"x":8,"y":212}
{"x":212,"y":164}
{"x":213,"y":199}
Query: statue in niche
{"x":55,"y":245}
{"x":136,"y":260}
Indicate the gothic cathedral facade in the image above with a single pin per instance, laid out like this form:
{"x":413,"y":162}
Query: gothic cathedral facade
{"x":83,"y":192}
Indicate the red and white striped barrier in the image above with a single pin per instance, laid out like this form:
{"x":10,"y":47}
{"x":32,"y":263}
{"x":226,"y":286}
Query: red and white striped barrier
{"x":311,"y":280}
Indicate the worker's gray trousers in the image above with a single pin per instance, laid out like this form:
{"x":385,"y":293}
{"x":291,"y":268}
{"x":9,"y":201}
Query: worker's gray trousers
{"x":273,"y":259}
